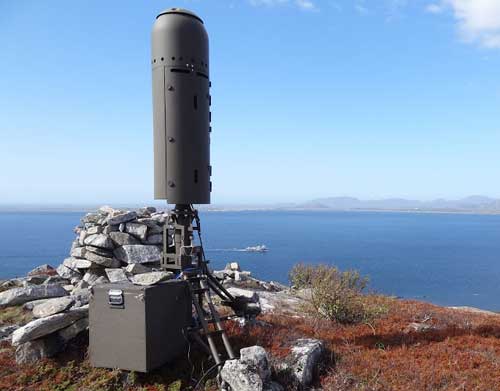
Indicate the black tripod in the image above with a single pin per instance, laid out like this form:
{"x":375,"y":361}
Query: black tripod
{"x":185,"y":257}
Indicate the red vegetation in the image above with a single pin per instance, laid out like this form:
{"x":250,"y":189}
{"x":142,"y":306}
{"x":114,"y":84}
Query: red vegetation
{"x":459,"y":351}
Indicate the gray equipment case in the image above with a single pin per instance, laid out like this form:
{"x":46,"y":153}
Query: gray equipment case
{"x":138,"y":328}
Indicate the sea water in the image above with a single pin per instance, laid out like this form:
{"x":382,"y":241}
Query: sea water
{"x":448,"y":259}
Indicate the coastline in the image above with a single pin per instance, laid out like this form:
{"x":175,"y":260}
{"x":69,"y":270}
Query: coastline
{"x":215,"y":209}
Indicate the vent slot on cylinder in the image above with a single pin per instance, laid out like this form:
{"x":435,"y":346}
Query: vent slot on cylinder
{"x":179,"y":70}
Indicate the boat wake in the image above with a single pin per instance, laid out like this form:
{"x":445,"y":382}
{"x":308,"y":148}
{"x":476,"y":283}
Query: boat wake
{"x":252,"y":249}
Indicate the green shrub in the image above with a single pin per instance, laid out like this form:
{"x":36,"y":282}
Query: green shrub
{"x":334,"y":295}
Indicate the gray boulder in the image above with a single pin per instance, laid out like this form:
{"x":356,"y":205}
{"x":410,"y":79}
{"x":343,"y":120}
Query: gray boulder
{"x":44,"y":326}
{"x":6,"y":331}
{"x":102,"y":261}
{"x":68,"y":273}
{"x":303,"y":359}
{"x":81,"y":237}
{"x":70,"y":262}
{"x":76,"y":280}
{"x":83,"y":264}
{"x":81,"y":296}
{"x":35,"y":280}
{"x":122,"y":238}
{"x":68,"y":288}
{"x":137,"y":268}
{"x":220,"y":274}
{"x":52,"y":306}
{"x":70,"y":332}
{"x":42,"y":270}
{"x":154,"y":227}
{"x":121,"y":218}
{"x":94,"y":230}
{"x":136,"y":229}
{"x":29,"y":305}
{"x":12,"y":283}
{"x":256,"y":357}
{"x":92,"y":276}
{"x":101,"y":280}
{"x":155,"y":239}
{"x":106,"y":210}
{"x":109,"y":228}
{"x":78,"y":252}
{"x":252,"y":296}
{"x":251,"y":372}
{"x":17,"y":296}
{"x":99,"y":240}
{"x":56,"y":280}
{"x":160,"y":217}
{"x":241,"y":377}
{"x":103,"y":252}
{"x":137,"y":253}
{"x":92,"y":218}
{"x":82,"y":284}
{"x":32,"y":351}
{"x":146,"y":211}
{"x":76,"y":242}
{"x":151,"y":278}
{"x":116,"y":275}
{"x":234,"y":266}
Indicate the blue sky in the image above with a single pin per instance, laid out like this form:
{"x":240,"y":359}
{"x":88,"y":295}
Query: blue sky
{"x":381,"y":98}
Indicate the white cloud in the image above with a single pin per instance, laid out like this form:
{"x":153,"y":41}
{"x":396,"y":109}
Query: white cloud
{"x":307,"y":5}
{"x":478,"y":20}
{"x":434,"y":8}
{"x":361,"y":9}
{"x":268,"y":3}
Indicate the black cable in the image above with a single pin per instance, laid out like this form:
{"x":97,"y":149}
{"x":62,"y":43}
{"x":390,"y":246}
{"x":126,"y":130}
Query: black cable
{"x":189,"y":353}
{"x":198,"y":225}
{"x":205,"y":375}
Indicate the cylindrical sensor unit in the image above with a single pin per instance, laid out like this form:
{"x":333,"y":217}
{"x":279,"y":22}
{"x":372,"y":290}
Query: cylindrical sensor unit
{"x":181,"y":108}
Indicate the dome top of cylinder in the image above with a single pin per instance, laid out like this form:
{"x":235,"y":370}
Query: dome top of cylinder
{"x":180,"y":11}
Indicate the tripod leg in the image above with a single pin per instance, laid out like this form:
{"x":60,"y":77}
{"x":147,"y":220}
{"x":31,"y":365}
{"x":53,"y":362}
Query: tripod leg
{"x":217,"y":321}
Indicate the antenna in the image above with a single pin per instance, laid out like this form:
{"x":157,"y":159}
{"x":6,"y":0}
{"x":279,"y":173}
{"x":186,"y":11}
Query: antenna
{"x":158,"y":320}
{"x":181,"y":108}
{"x":181,"y":121}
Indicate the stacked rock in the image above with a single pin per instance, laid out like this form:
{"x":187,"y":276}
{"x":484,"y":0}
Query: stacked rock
{"x":116,"y":246}
{"x":59,"y":317}
{"x":59,"y":320}
{"x":111,"y":246}
{"x":232,"y":275}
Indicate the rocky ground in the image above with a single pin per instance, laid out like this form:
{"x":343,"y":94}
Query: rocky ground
{"x":413,"y":346}
{"x":115,"y":246}
{"x":110,"y":246}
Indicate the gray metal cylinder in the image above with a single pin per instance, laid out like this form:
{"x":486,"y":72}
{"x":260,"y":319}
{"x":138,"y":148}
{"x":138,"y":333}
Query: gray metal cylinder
{"x":181,"y":108}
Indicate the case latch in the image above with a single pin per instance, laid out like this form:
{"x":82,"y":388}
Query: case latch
{"x":115,"y":298}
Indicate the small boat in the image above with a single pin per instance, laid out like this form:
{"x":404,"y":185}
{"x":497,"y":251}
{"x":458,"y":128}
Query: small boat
{"x":256,"y":249}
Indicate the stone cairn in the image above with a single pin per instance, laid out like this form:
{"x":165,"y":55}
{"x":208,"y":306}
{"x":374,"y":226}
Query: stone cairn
{"x":111,"y":246}
{"x":116,"y":246}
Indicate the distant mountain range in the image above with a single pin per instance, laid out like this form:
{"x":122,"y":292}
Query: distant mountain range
{"x":469,"y":204}
{"x":472,"y":204}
